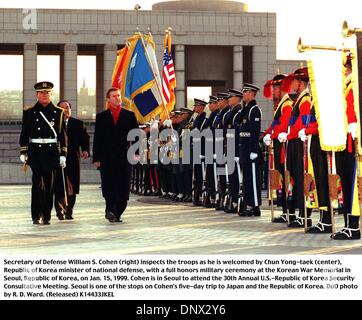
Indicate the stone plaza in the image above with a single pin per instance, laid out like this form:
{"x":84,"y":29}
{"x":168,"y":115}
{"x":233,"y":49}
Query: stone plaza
{"x":153,"y":226}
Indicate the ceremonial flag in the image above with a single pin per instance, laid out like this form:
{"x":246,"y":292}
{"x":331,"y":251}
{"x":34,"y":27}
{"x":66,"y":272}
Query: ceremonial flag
{"x":326,"y":77}
{"x":119,"y":68}
{"x":140,"y":88}
{"x":168,"y":77}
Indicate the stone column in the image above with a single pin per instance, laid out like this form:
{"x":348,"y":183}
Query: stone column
{"x":70,"y":76}
{"x":29,"y":74}
{"x":238,"y":66}
{"x":109,"y":60}
{"x":180,"y":76}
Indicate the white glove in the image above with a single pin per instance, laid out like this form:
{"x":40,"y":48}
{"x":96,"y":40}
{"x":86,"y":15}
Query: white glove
{"x":301,"y":135}
{"x":267,"y":140}
{"x":154,"y":125}
{"x":23,"y":158}
{"x":283,"y":137}
{"x":173,"y":138}
{"x":167,"y":123}
{"x":253,"y":156}
{"x":214,"y":156}
{"x":202,"y":157}
{"x":62,"y":161}
{"x":237,"y":159}
{"x":352,"y":129}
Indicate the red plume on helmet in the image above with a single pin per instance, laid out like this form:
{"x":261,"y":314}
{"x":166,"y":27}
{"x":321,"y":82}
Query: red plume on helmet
{"x":299,"y":74}
{"x":278,"y":80}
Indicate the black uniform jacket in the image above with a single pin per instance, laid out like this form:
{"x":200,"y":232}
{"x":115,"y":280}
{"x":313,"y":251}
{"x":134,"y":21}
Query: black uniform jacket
{"x":110,"y":147}
{"x":43,"y":156}
{"x":249,"y":132}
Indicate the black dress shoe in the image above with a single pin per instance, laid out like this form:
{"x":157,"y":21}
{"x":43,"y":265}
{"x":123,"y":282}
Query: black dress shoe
{"x":46,"y":222}
{"x":36,"y":221}
{"x":68,"y":217}
{"x":60,"y":215}
{"x":347,"y":234}
{"x":118,"y":220}
{"x":299,"y":223}
{"x":254,"y":212}
{"x":282,"y":219}
{"x":110,"y":216}
{"x":320,"y":228}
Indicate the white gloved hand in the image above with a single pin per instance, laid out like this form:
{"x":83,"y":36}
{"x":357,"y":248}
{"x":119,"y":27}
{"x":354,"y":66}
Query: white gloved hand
{"x":154,"y":124}
{"x":62,"y":161}
{"x":237,"y":159}
{"x":214,"y":156}
{"x":23,"y":158}
{"x":267,"y":140}
{"x":173,"y":138}
{"x":167,"y":123}
{"x":301,"y":135}
{"x":253,"y":156}
{"x":352,"y":129}
{"x":283,"y":137}
{"x":202,"y":157}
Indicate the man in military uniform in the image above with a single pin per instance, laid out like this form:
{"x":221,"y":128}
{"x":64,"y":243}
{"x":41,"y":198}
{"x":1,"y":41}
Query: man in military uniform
{"x":43,"y":146}
{"x":218,"y":124}
{"x":346,"y":162}
{"x":78,"y":146}
{"x":250,"y":152}
{"x":210,"y":177}
{"x":282,"y":112}
{"x":232,"y":121}
{"x":295,"y":154}
{"x":199,"y":123}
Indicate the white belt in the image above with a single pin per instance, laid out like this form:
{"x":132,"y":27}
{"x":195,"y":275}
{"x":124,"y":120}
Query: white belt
{"x":196,"y":139}
{"x":245,"y":134}
{"x":209,"y":140}
{"x":43,"y":140}
{"x":230,"y":135}
{"x":219,"y":139}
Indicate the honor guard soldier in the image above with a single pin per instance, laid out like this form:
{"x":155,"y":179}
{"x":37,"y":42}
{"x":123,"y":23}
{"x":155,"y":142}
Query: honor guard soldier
{"x":222,"y":103}
{"x":250,"y":151}
{"x":299,"y":119}
{"x":210,"y":177}
{"x":282,"y":112}
{"x":346,"y":164}
{"x":232,"y":121}
{"x":78,"y":146}
{"x":43,"y":146}
{"x":185,"y":169}
{"x":199,"y":123}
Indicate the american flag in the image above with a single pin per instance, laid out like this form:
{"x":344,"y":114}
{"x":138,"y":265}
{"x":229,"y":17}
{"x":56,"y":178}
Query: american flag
{"x":168,"y":75}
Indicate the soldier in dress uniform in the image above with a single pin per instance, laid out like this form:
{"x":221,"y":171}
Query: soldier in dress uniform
{"x":345,"y":164}
{"x":110,"y":149}
{"x":43,"y":146}
{"x":301,"y":114}
{"x":218,"y":124}
{"x":232,"y":121}
{"x":210,"y":178}
{"x":249,"y":151}
{"x":199,"y":123}
{"x":282,"y":112}
{"x":78,"y":146}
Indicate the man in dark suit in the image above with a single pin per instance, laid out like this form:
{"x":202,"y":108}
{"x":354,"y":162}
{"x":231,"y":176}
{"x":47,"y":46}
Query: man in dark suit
{"x":78,"y":146}
{"x":110,"y":154}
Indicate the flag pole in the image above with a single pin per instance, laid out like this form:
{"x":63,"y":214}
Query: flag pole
{"x":154,"y":75}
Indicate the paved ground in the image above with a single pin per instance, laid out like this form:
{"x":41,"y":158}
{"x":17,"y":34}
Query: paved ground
{"x":152,"y":226}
